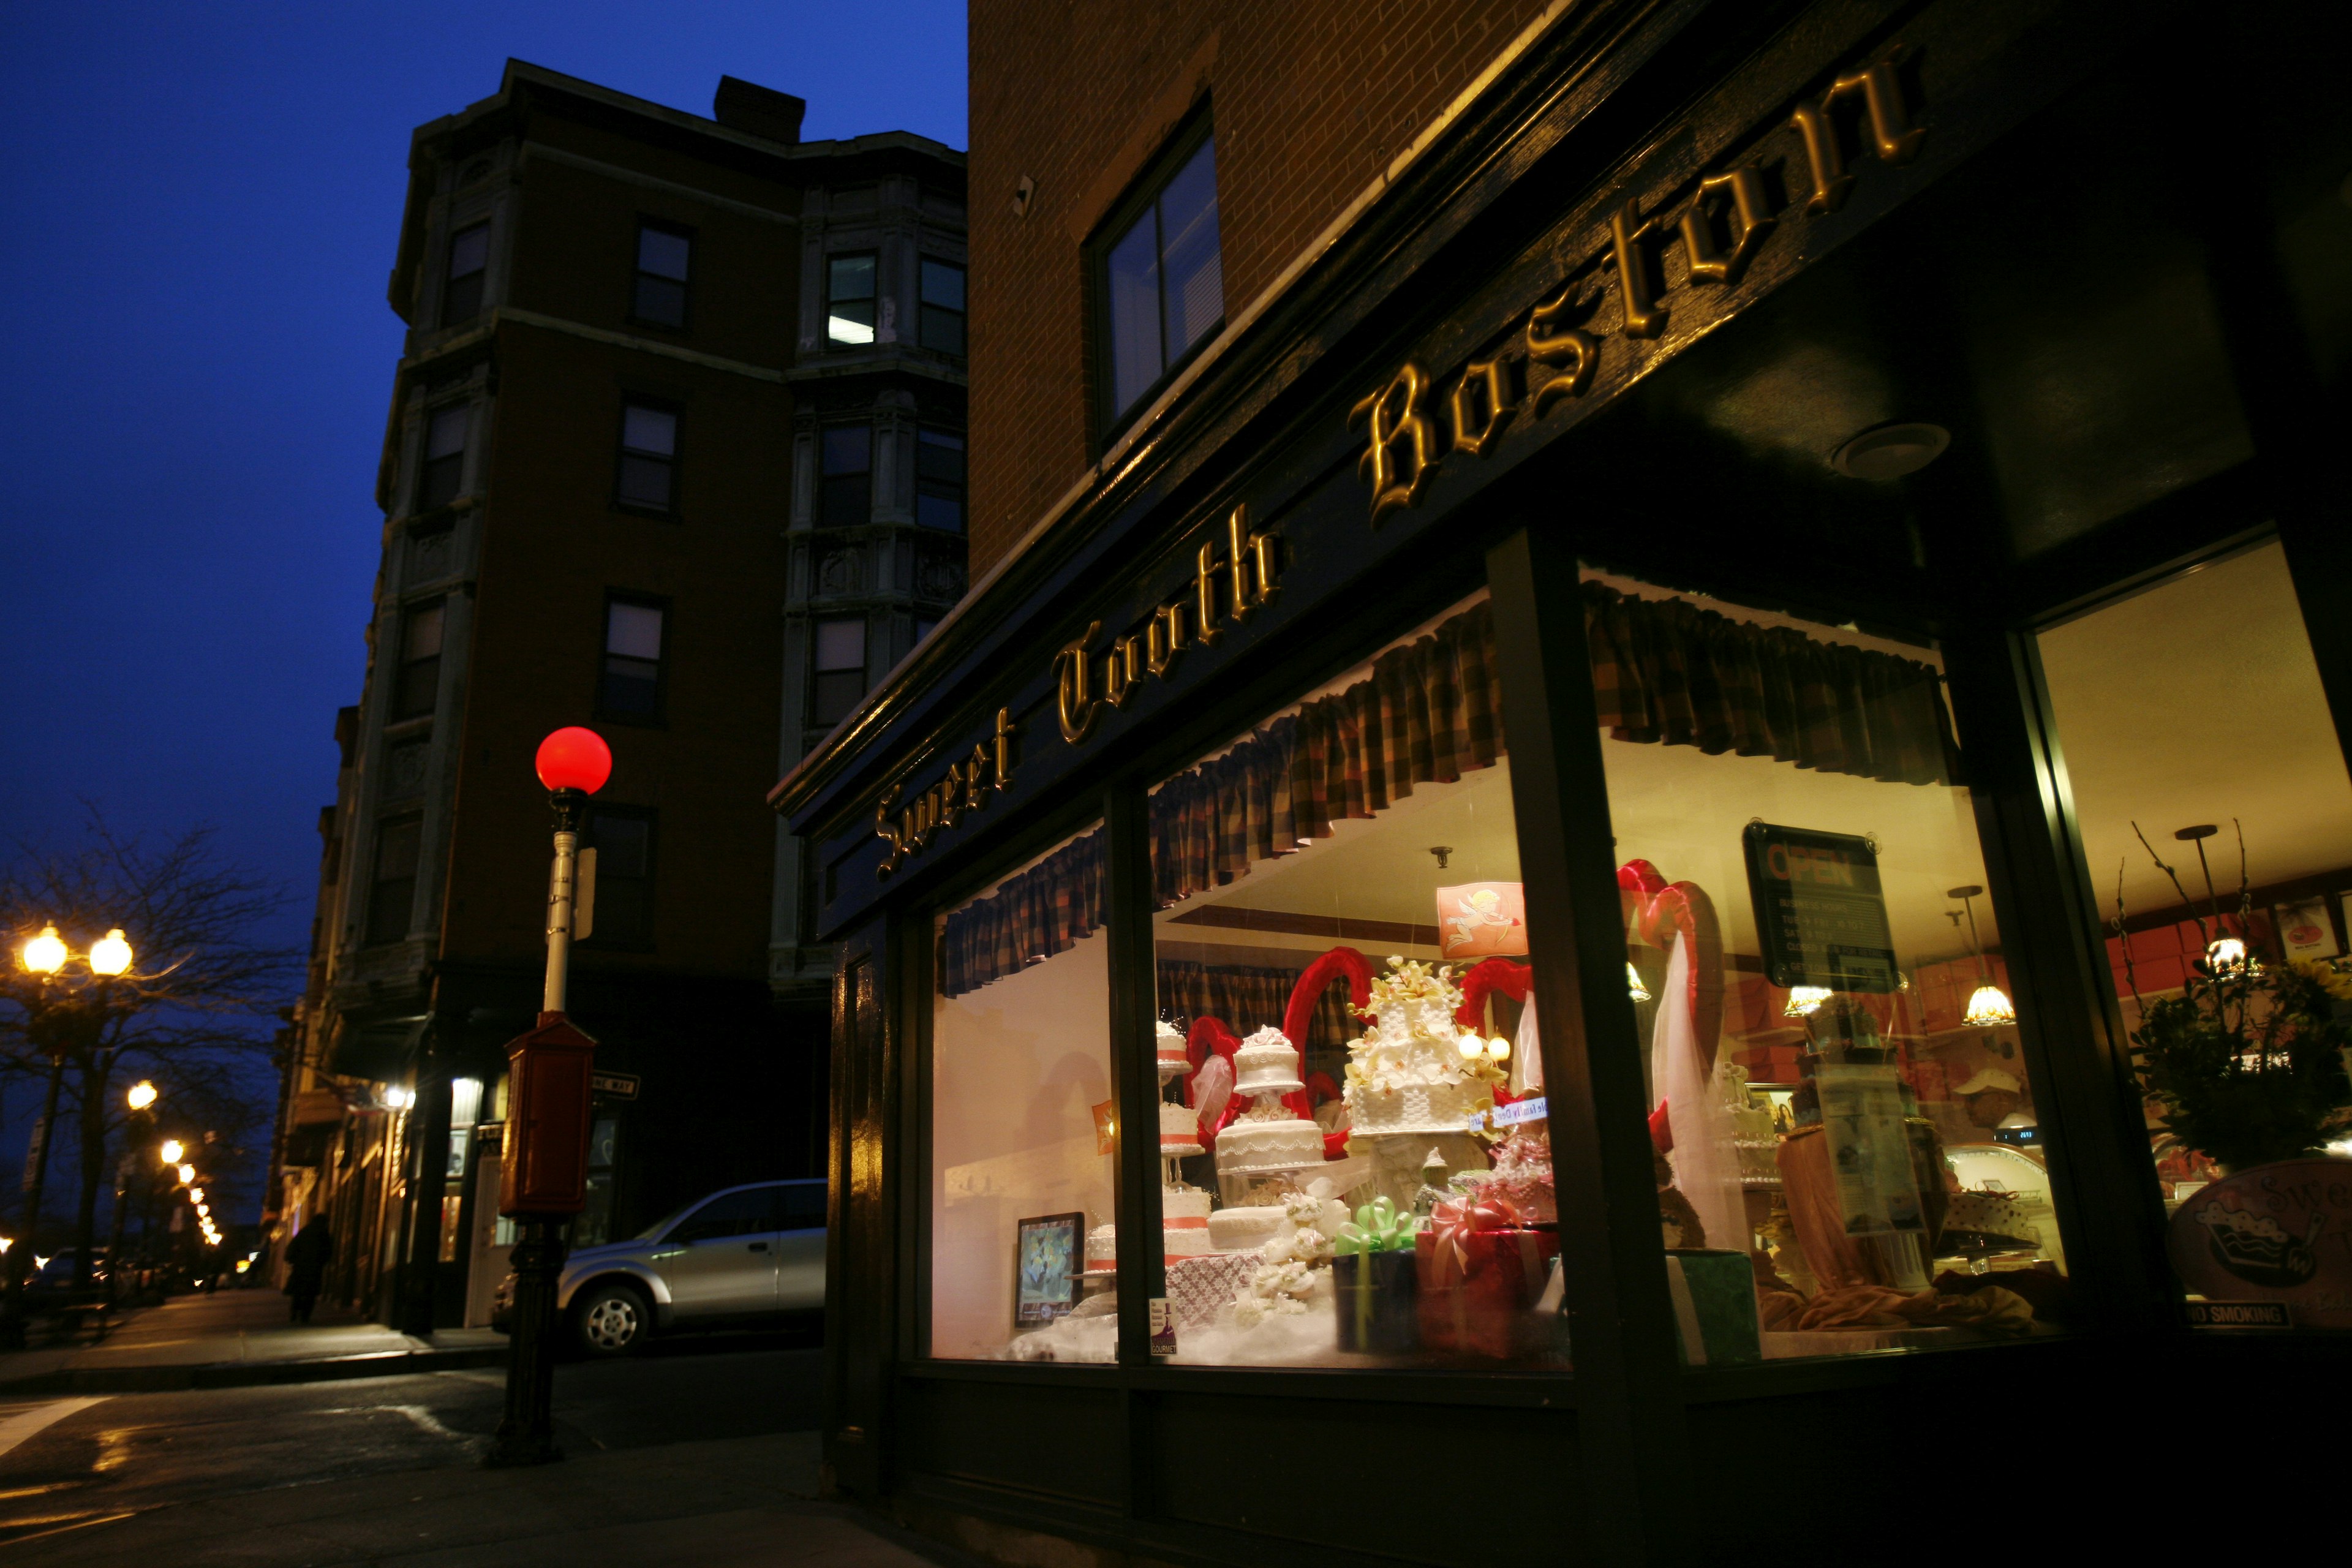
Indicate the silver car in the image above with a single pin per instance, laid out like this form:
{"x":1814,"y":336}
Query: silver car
{"x":736,"y":1257}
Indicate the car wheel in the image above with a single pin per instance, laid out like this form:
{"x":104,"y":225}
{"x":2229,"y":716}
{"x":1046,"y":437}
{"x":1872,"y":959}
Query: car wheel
{"x":611,"y":1320}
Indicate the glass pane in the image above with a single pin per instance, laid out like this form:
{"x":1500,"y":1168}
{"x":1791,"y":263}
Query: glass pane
{"x":645,"y":481}
{"x":446,"y":435}
{"x":845,"y":500}
{"x":439,"y":483}
{"x":1849,"y":1154}
{"x":633,"y":629}
{"x":469,"y":250}
{"x":836,"y":694}
{"x":1195,"y":286}
{"x":662,"y":253}
{"x":660,"y":301}
{"x":942,"y":284}
{"x":746,"y":1213}
{"x":653,"y":430}
{"x":850,"y":278}
{"x":1131,"y":312}
{"x":422,"y":637}
{"x":841,"y":644}
{"x":943,"y":330}
{"x":632,"y":687}
{"x":2195,"y":731}
{"x":943,"y":509}
{"x":803,"y":1204}
{"x":396,"y":846}
{"x":462,"y":301}
{"x":1021,"y":1144}
{"x":850,"y":323}
{"x":938,"y":456}
{"x":1348,"y":1113}
{"x":848,"y":449}
{"x":419,"y":687}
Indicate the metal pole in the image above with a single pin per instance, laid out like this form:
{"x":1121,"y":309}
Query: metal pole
{"x":36,"y":1176}
{"x":527,"y":1431}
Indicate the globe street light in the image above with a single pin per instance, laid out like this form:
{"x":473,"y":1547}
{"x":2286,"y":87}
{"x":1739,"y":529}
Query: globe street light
{"x":142,"y":1095}
{"x":171,"y":1151}
{"x":187,"y":1174}
{"x":45,"y":957}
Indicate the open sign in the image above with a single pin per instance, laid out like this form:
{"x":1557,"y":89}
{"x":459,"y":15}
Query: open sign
{"x":1820,"y":911}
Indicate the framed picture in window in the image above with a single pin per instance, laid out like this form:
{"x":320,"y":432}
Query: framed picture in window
{"x":1048,"y":1252}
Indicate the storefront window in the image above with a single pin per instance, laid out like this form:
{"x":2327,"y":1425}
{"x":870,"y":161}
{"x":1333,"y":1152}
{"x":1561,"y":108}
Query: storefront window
{"x":1847,"y":1147}
{"x":2196,"y":738}
{"x":1356,"y":1171}
{"x":1022,"y":1148}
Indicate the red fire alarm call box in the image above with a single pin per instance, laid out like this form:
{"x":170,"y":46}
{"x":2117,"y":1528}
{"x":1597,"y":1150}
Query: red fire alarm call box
{"x":543,"y":1162}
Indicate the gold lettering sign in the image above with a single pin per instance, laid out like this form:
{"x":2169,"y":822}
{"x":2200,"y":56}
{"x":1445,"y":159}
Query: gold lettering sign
{"x":1223,"y":592}
{"x":1727,"y":220}
{"x":966,"y":787}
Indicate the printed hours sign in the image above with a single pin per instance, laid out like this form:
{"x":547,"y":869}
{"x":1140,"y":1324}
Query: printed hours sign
{"x":1820,"y":913}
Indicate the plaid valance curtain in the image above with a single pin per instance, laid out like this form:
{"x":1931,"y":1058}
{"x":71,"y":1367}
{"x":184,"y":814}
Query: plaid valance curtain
{"x":1663,"y":671}
{"x":1430,"y":711}
{"x":1032,"y":916}
{"x":1246,"y":997}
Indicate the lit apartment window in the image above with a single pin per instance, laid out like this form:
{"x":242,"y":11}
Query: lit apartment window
{"x":418,"y":685}
{"x":623,"y":838}
{"x":632,"y":687}
{"x":1160,"y":278}
{"x":846,"y":476}
{"x":469,"y":264}
{"x":662,"y":256}
{"x":444,"y":458}
{"x":939,"y":479}
{"x":648,"y":457}
{"x":840,"y":669}
{"x":943,"y":324}
{"x":849,"y":299}
{"x":392,"y":891}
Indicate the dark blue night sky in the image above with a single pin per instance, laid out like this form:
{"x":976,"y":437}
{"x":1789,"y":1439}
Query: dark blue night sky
{"x":202,"y":202}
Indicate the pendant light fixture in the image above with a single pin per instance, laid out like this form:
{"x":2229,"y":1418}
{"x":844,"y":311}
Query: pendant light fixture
{"x":1988,"y":1005}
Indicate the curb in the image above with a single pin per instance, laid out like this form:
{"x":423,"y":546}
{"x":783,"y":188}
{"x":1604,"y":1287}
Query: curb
{"x":247,"y":1374}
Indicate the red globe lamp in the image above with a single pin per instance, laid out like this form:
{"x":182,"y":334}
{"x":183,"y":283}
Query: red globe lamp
{"x":574,"y":758}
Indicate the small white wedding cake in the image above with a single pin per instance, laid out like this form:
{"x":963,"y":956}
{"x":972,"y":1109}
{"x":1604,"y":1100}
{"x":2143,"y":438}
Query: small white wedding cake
{"x":1407,"y":1072}
{"x":1168,"y":1043}
{"x":1268,"y":1136}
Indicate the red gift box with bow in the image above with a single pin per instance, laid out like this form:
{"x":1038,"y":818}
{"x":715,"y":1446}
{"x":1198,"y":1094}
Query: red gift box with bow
{"x":1480,"y":1270}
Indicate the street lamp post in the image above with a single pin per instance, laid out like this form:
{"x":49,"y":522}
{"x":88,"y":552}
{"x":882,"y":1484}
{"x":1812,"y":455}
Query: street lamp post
{"x":45,"y":957}
{"x":543,"y":1158}
{"x":141,"y":1098}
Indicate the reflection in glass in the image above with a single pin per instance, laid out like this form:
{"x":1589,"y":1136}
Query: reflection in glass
{"x":1021,"y":1144}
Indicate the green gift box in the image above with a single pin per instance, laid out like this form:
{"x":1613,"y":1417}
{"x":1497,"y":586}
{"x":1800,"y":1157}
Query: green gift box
{"x":1714,"y":1292}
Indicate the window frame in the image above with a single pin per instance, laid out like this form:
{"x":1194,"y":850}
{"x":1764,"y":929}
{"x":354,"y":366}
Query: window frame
{"x":623,"y":452}
{"x":426,"y":460}
{"x":923,"y":306}
{"x":658,"y":717}
{"x":1141,"y":197}
{"x":370,"y":933}
{"x":962,"y":440}
{"x":402,"y":711}
{"x":448,"y":315}
{"x":604,"y":938}
{"x":817,"y":672}
{"x":638,"y":275}
{"x":823,"y":479}
{"x":874,"y":301}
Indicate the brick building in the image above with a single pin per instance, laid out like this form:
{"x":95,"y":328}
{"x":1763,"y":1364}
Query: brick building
{"x":675,"y":451}
{"x":1582,"y":617}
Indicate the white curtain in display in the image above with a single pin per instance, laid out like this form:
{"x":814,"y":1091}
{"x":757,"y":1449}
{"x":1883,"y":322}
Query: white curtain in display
{"x":1706,"y":1166}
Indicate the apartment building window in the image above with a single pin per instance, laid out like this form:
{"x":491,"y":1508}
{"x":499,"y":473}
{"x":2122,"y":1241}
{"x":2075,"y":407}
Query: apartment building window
{"x":632,"y":685}
{"x":663,"y":253}
{"x":846,"y":476}
{"x":942,"y":301}
{"x":924,"y":629}
{"x":939,"y":479}
{"x":1160,"y":278}
{"x":849,"y":299}
{"x":840,"y":669}
{"x":622,"y":837}
{"x":470,"y":265}
{"x":444,"y":456}
{"x":392,"y":891}
{"x":417,"y":687}
{"x":648,"y":457}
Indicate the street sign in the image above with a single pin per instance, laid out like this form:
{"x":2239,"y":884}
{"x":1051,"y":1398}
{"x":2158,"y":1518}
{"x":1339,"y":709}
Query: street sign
{"x":615,"y":1085}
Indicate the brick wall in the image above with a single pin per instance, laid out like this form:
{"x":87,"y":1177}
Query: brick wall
{"x":1311,"y":100}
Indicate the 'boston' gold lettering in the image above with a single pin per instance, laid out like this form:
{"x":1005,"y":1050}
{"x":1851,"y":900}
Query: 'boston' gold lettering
{"x":1403,"y":452}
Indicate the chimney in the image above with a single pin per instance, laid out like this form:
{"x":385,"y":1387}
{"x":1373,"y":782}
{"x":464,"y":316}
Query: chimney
{"x":758,"y":111}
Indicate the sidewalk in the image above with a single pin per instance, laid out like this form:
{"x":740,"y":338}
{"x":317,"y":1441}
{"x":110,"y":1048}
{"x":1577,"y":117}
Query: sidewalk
{"x":742,"y":1500}
{"x":238,"y":1337}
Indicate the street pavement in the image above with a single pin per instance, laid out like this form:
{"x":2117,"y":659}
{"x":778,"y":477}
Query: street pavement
{"x":702,"y":1451}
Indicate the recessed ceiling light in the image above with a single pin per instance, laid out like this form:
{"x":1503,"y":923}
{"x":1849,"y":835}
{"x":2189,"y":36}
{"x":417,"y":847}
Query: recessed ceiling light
{"x":1891,"y":451}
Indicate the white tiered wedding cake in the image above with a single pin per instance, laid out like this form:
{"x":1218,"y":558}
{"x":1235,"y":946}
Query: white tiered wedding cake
{"x":1408,"y":1072}
{"x":1268,"y":1136}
